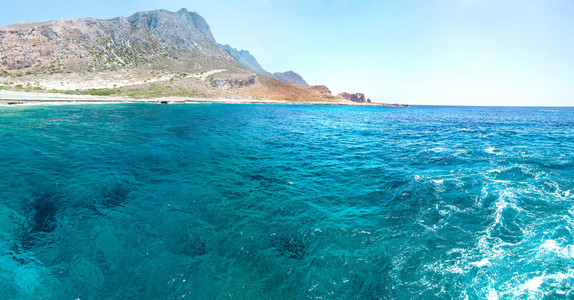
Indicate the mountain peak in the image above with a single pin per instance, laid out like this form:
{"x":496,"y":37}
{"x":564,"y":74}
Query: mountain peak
{"x":148,"y":54}
{"x":181,"y":28}
{"x":290,"y":77}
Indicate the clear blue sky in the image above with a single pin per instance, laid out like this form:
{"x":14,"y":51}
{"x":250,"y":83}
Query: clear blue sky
{"x":466,"y":52}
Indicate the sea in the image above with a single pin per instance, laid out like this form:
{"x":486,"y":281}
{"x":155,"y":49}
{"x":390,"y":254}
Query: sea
{"x":252,"y":201}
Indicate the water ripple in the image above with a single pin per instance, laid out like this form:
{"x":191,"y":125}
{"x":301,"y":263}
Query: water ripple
{"x":278,"y":201}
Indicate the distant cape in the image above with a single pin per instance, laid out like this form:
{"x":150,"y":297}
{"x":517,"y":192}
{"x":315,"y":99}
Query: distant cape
{"x":148,"y":55}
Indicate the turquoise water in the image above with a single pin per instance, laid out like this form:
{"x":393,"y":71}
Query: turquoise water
{"x":221,"y":201}
{"x":23,"y":96}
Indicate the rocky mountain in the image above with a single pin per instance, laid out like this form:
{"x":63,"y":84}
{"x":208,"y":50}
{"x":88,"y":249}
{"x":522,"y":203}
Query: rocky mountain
{"x":144,"y":37}
{"x":290,"y":77}
{"x":245,"y":58}
{"x":184,"y":29}
{"x":146,"y":55}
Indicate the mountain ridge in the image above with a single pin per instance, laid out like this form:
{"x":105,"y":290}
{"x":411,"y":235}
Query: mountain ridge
{"x":245,"y":58}
{"x":290,"y":77}
{"x":149,"y":54}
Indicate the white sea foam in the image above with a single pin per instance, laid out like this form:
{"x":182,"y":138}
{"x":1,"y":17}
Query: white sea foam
{"x":502,"y":181}
{"x":456,"y":250}
{"x":438,"y":149}
{"x":454,"y":269}
{"x":438,"y":181}
{"x":493,"y":150}
{"x":485,"y":262}
{"x":551,"y":246}
{"x":492,"y":295}
{"x":534,"y":283}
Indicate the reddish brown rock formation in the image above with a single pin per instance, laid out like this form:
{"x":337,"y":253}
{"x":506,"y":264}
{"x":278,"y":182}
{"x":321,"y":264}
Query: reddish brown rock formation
{"x":358,"y":97}
{"x":322,"y":90}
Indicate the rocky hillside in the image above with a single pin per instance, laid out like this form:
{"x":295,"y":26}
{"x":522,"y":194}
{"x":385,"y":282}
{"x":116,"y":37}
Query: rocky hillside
{"x":149,"y":54}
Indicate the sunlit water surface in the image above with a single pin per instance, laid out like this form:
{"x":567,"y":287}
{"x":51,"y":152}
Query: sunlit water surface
{"x":210,"y":201}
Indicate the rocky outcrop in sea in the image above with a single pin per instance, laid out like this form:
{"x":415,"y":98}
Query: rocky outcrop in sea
{"x":357,"y":97}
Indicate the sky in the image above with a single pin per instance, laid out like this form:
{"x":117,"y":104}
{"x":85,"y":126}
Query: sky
{"x":432,"y":52}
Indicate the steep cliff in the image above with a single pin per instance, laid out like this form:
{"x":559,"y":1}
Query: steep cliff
{"x":80,"y":44}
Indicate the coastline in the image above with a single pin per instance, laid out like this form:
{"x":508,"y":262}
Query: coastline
{"x":32,"y":99}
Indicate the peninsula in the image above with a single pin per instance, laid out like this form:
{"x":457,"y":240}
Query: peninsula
{"x":156,"y":56}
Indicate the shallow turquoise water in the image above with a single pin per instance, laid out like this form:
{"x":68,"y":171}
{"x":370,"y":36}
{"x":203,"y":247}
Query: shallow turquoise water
{"x":24,"y":96}
{"x":209,"y":201}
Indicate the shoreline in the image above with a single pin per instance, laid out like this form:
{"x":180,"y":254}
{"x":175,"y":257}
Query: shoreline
{"x":32,"y":99}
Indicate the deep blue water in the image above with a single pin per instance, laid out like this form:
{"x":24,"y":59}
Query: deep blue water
{"x":216,"y":201}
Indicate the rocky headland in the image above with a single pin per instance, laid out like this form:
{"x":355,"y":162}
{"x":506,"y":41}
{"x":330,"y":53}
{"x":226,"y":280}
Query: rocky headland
{"x":148,"y":55}
{"x":357,"y":97}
